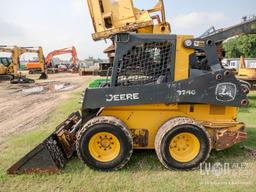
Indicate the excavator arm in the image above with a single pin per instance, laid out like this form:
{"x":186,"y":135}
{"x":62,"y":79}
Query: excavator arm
{"x":71,"y":50}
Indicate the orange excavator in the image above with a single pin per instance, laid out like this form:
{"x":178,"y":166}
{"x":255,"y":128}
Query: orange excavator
{"x":71,"y":50}
{"x":34,"y":67}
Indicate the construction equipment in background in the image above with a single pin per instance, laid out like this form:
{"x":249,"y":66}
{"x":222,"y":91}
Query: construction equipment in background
{"x":91,"y":71}
{"x":155,"y":100}
{"x":9,"y":71}
{"x":99,"y":83}
{"x":36,"y":67}
{"x":5,"y":62}
{"x":111,"y":17}
{"x":247,"y":74}
{"x":70,"y":50}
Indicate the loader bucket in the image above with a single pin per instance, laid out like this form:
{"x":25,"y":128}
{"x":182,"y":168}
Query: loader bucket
{"x":52,"y":154}
{"x":46,"y":157}
{"x":43,"y":76}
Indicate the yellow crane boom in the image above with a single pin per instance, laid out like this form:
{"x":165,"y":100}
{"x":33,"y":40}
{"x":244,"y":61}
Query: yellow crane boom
{"x":115,"y":16}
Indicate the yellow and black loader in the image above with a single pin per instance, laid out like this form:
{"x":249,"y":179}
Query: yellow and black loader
{"x":155,"y":100}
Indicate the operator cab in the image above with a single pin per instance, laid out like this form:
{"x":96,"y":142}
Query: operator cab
{"x":6,"y":61}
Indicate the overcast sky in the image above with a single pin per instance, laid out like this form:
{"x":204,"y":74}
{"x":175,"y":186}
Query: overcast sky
{"x":56,"y":24}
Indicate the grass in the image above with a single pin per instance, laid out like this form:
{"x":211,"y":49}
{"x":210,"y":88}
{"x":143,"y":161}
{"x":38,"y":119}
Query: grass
{"x":143,"y":173}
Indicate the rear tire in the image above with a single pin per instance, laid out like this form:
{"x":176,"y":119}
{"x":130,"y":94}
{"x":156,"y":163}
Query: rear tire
{"x":104,"y":143}
{"x":183,"y":144}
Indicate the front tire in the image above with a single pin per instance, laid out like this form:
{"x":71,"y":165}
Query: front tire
{"x":104,"y":143}
{"x":183,"y":144}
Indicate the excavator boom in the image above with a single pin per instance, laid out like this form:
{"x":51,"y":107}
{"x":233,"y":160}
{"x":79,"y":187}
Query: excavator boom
{"x":71,"y":50}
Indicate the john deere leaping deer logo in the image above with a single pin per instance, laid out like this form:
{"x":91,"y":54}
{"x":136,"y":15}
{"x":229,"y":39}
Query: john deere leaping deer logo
{"x":225,"y":92}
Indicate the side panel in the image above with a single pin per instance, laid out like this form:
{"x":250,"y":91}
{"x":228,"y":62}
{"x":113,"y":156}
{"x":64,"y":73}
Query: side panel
{"x":151,"y":117}
{"x":204,"y":89}
{"x":182,"y":59}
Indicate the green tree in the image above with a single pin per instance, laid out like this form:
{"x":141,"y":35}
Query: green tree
{"x":244,"y":45}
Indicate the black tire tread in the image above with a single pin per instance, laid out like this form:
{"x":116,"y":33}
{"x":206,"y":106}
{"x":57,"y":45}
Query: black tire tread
{"x":166,"y":127}
{"x":107,"y":120}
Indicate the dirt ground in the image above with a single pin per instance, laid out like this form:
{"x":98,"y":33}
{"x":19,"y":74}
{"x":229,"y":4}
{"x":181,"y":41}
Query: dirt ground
{"x":22,"y":107}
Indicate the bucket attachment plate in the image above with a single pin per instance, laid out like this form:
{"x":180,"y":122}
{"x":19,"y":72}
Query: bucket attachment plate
{"x":43,"y":76}
{"x":53,"y":153}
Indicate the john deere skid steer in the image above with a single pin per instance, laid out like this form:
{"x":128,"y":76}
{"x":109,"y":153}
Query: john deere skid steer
{"x":163,"y":95}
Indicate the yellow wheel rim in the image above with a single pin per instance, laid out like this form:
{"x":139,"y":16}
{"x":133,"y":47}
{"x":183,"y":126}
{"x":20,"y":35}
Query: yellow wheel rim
{"x":184,"y":147}
{"x":104,"y":146}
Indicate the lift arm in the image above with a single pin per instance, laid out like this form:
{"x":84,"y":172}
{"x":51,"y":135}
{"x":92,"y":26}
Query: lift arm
{"x":248,"y":26}
{"x":112,"y":17}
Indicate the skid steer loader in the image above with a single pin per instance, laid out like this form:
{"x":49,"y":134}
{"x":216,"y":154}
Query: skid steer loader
{"x":157,"y":99}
